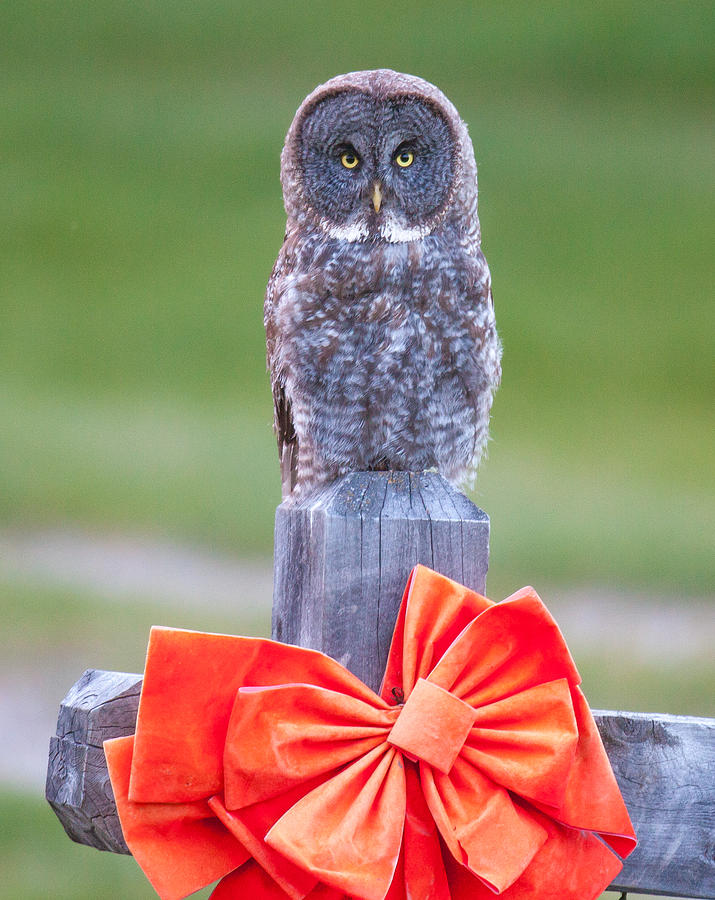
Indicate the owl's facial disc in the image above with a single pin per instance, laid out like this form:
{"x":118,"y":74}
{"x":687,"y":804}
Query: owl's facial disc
{"x":376,"y":167}
{"x":417,"y":167}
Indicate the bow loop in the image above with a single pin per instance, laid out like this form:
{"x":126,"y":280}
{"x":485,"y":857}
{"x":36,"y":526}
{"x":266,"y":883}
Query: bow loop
{"x":348,"y":831}
{"x":527,"y":742}
{"x":280,"y":737}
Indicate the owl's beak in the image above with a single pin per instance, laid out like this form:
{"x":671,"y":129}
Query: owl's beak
{"x":376,"y":197}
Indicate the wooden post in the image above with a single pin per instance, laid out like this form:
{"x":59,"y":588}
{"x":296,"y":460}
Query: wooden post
{"x":342,"y":557}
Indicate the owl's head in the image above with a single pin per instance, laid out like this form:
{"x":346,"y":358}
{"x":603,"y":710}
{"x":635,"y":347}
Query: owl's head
{"x":378,"y":155}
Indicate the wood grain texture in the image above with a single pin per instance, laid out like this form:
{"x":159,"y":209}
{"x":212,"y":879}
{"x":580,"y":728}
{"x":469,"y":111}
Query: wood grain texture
{"x":665,"y":766}
{"x":343,"y":556}
{"x":101,"y":705}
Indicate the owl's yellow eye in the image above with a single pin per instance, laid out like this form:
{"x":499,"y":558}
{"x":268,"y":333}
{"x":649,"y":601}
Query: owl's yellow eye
{"x":405,"y":158}
{"x":349,"y":159}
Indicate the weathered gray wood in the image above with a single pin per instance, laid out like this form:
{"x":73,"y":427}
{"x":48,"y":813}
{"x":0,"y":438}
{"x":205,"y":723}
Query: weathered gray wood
{"x":343,"y":555}
{"x":665,"y":766}
{"x":101,"y":705}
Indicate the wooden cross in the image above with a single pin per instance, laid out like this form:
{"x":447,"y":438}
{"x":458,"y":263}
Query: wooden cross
{"x":341,"y":561}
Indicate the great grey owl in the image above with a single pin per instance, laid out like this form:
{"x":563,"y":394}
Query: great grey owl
{"x":382,"y":344}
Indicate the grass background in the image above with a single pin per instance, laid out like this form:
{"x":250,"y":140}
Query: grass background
{"x":140,"y":213}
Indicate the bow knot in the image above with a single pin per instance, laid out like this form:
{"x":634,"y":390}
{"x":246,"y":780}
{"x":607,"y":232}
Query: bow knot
{"x":432,"y":726}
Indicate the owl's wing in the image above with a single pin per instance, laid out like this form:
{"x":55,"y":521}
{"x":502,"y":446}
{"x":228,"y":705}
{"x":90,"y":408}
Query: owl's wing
{"x":282,"y":413}
{"x":286,"y":437}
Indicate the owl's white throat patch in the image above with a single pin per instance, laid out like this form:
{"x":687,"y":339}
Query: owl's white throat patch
{"x":358,"y":231}
{"x":390,"y":230}
{"x":395,"y":233}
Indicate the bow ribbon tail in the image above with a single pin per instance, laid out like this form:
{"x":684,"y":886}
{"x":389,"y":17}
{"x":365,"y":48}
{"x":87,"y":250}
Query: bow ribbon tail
{"x":251,"y":880}
{"x":249,"y":827}
{"x":483,"y":828}
{"x":181,"y":847}
{"x":423,"y":874}
{"x":575,"y":862}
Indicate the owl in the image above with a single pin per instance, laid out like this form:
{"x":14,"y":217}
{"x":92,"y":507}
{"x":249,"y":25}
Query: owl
{"x":381,"y":338}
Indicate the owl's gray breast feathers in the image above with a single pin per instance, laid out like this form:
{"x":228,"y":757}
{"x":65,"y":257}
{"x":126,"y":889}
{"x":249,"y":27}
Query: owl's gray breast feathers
{"x":387,"y":354}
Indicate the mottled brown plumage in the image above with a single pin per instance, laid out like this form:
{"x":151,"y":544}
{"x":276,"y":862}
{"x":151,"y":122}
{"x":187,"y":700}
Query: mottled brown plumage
{"x":379,"y":320}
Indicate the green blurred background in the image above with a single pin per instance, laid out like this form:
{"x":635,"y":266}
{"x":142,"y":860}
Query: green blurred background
{"x":141,"y":213}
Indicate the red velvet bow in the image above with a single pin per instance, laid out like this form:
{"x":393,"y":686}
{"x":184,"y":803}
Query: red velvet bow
{"x":478,"y":769}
